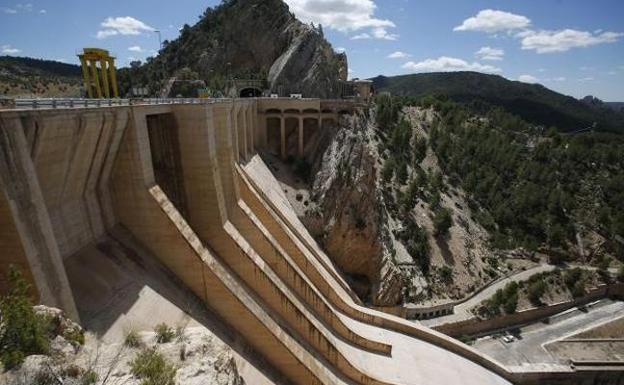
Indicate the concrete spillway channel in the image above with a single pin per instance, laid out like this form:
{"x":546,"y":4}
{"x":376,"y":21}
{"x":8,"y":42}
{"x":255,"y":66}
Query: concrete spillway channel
{"x":185,"y":182}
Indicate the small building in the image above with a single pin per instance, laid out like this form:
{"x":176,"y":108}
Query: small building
{"x":357,"y":89}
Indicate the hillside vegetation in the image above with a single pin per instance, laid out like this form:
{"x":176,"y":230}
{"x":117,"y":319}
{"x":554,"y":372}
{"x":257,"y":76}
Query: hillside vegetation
{"x":28,"y":77}
{"x":527,"y":188}
{"x":534,"y":103}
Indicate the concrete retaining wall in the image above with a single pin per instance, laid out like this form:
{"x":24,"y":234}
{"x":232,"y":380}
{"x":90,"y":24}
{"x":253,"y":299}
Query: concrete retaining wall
{"x":476,"y":326}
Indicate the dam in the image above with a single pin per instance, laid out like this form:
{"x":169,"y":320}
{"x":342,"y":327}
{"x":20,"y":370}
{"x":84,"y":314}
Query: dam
{"x":185,"y":183}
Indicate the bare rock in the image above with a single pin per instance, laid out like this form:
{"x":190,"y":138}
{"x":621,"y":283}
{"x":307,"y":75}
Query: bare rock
{"x":350,"y":221}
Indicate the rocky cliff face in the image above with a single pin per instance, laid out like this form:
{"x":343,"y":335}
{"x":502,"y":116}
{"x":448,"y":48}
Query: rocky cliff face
{"x":350,"y":219}
{"x":257,"y":39}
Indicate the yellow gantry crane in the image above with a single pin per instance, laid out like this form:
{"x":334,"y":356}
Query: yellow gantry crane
{"x":99,"y":81}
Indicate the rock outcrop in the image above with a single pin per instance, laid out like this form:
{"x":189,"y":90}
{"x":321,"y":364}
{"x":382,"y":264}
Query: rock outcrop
{"x":350,"y":220}
{"x":198,"y":356}
{"x":253,"y":39}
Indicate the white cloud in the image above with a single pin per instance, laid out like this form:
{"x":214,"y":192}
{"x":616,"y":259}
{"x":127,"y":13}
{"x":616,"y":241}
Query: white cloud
{"x":383,"y":34}
{"x":342,"y":15}
{"x":340,"y":49}
{"x":557,"y":79}
{"x":28,"y":7}
{"x":103,"y":34}
{"x":135,"y":48}
{"x":528,"y":79}
{"x":489,"y":53}
{"x":564,"y":40}
{"x":345,"y":16}
{"x":361,"y":36}
{"x":398,"y":55}
{"x":43,"y":11}
{"x":492,"y":21}
{"x":449,"y":64}
{"x":10,"y":11}
{"x":8,"y":50}
{"x":586,"y":79}
{"x":126,"y":25}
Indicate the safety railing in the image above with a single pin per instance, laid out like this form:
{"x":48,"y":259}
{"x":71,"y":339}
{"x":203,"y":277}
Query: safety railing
{"x":57,"y":103}
{"x":54,"y":103}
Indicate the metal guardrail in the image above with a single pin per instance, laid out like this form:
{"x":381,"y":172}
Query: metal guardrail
{"x":54,"y":103}
{"x":68,"y":103}
{"x":58,"y":103}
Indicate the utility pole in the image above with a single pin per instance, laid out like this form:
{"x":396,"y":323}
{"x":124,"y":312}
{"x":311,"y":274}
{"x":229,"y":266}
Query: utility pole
{"x":159,"y":40}
{"x":160,"y":47}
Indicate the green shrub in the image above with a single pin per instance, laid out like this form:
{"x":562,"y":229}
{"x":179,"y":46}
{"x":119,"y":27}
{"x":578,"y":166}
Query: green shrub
{"x":22,"y":332}
{"x":388,"y":170}
{"x":132,"y":339}
{"x":571,"y":277}
{"x":75,"y":336}
{"x":164,"y":333}
{"x":535,"y":291}
{"x":578,"y":290}
{"x":510,"y":298}
{"x":446,"y":274}
{"x":152,"y":368}
{"x":620,"y":276}
{"x":89,"y":378}
{"x":603,"y":269}
{"x":442,"y":221}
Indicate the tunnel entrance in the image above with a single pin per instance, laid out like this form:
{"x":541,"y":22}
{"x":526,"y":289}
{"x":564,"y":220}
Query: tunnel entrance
{"x":165,"y":148}
{"x":250,"y":92}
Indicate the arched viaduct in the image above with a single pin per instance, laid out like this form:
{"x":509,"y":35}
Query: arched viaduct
{"x":296,"y":120}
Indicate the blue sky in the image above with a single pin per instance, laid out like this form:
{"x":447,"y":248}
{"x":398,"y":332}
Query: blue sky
{"x":572,"y":46}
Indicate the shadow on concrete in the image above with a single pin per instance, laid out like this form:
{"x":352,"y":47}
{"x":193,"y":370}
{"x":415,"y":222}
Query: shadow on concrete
{"x":119,"y":286}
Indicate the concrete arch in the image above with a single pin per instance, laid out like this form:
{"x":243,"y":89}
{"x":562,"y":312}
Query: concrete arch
{"x":241,"y":129}
{"x":310,"y":111}
{"x":273,"y":111}
{"x":274,"y":135}
{"x":327,"y":122}
{"x":250,"y":92}
{"x":292,"y":111}
{"x":250,"y":129}
{"x":290,"y":143}
{"x":311,"y":127}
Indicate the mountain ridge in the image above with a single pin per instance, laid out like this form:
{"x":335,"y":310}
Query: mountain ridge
{"x":533,"y":102}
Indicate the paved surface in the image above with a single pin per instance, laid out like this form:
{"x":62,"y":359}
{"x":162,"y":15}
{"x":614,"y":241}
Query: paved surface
{"x":529,"y":348}
{"x":462,"y":311}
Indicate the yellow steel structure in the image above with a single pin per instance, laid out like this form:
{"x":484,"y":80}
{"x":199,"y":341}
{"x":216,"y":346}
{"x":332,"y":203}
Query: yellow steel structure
{"x":99,"y":81}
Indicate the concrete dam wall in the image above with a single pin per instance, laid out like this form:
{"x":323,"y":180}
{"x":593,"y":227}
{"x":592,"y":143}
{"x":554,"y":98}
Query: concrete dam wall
{"x":186,"y":183}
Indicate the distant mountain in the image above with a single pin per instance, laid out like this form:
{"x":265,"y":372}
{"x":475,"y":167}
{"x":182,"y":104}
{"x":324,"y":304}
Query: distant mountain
{"x":618,"y":106}
{"x":28,"y":77}
{"x":533,"y":102}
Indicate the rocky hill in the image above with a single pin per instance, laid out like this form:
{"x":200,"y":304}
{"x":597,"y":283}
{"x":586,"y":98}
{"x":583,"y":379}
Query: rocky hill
{"x":259,"y":39}
{"x":533,"y":102}
{"x":27,"y":77}
{"x":428,"y":201}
